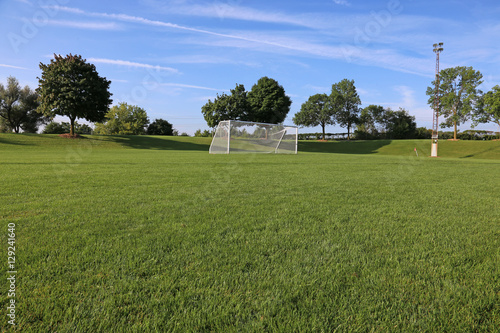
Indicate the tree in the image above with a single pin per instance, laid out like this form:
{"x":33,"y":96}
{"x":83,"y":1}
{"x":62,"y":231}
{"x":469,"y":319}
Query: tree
{"x":375,"y":122}
{"x":62,"y":128}
{"x":370,"y":122}
{"x":227,"y":107}
{"x":268,"y":102}
{"x":72,"y":87}
{"x":124,"y":119}
{"x":345,"y":104}
{"x":423,"y":133}
{"x":56,"y":128}
{"x":4,"y":128}
{"x":18,"y":108}
{"x":400,"y":124}
{"x":202,"y":134}
{"x":160,"y":127}
{"x":459,"y":95}
{"x":316,"y":111}
{"x":490,"y":107}
{"x":239,"y":104}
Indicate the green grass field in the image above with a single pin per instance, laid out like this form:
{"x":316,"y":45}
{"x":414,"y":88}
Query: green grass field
{"x":143,"y":234}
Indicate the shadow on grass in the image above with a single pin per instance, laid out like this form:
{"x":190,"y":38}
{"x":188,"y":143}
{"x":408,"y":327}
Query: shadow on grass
{"x":492,"y":149}
{"x":163,"y":143}
{"x":343,"y":147}
{"x":13,"y":139}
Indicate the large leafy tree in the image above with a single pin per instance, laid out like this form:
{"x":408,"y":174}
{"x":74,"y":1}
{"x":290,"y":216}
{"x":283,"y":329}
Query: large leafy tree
{"x":316,"y":111}
{"x":490,"y":107}
{"x":160,"y":127}
{"x":18,"y":107}
{"x":345,"y":104}
{"x":124,"y":119}
{"x":459,"y":96}
{"x":71,"y":87}
{"x":226,"y":107}
{"x":268,"y":102}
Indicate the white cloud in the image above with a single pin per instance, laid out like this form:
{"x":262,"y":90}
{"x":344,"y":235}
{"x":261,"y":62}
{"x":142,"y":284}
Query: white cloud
{"x":85,"y":25}
{"x":341,"y":2}
{"x":385,"y":58}
{"x":10,"y":66}
{"x":181,"y":85}
{"x":420,"y":110}
{"x":407,"y":96}
{"x":362,"y":92}
{"x":392,"y":48}
{"x":318,"y":89}
{"x":27,"y":2}
{"x":141,"y":20}
{"x":208,"y":59}
{"x":234,"y":12}
{"x":132,"y":64}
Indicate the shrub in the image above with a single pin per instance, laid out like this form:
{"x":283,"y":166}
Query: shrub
{"x":160,"y":127}
{"x":62,"y":128}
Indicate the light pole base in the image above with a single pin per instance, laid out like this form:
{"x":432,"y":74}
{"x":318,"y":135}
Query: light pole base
{"x":434,"y":149}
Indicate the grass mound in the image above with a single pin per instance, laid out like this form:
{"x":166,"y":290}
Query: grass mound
{"x":447,"y":149}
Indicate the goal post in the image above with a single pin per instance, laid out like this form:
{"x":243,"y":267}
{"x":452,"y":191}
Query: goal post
{"x":236,"y":136}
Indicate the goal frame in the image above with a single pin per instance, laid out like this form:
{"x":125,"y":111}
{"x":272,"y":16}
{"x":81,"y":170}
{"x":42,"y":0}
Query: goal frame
{"x":225,"y":127}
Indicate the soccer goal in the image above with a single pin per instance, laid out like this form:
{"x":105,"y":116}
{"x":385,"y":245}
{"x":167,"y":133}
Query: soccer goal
{"x":235,"y":136}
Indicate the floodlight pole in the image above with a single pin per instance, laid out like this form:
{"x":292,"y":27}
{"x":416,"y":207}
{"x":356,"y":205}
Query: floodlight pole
{"x":438,"y":47}
{"x":228,"y":136}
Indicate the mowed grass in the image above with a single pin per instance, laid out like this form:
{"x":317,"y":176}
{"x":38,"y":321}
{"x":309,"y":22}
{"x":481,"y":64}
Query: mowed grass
{"x":142,"y":234}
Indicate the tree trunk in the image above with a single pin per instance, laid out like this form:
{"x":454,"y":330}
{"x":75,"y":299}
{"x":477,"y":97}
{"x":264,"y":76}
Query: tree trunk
{"x":11,"y":122}
{"x":455,"y":124}
{"x":323,"y":127}
{"x":348,"y":132}
{"x":72,"y":126}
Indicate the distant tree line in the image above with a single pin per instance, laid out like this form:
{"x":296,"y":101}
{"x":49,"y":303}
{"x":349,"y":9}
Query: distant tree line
{"x":202,"y":134}
{"x":69,"y":86}
{"x":460,"y":100}
{"x":342,"y":107}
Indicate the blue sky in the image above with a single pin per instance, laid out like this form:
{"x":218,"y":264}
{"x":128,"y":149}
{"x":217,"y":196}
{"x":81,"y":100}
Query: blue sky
{"x":170,"y":57}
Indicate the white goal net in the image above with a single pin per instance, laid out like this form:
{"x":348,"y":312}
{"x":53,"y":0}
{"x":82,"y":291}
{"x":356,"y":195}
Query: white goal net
{"x":235,"y":136}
